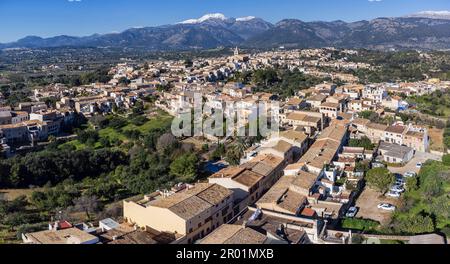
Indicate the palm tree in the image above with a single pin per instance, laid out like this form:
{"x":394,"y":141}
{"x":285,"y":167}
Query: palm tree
{"x":241,"y":145}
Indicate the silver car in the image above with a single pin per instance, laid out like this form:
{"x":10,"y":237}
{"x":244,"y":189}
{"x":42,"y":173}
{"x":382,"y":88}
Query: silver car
{"x":397,"y":188}
{"x":410,"y":174}
{"x":393,"y":194}
{"x":386,"y":207}
{"x":352,"y":211}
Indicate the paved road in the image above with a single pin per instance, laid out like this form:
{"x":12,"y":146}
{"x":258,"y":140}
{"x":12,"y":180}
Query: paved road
{"x":419,"y":157}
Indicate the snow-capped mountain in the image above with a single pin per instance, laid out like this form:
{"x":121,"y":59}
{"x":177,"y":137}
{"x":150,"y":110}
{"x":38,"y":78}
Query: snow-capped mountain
{"x":204,"y":18}
{"x":208,"y":31}
{"x":245,"y":27}
{"x":432,"y":14}
{"x":216,"y":16}
{"x":248,"y":18}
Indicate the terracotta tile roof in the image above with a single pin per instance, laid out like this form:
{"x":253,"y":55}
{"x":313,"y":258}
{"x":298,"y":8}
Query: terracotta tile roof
{"x":277,"y":190}
{"x":361,"y":121}
{"x":308,"y":212}
{"x":248,"y":178}
{"x":302,"y":117}
{"x":317,"y":98}
{"x":293,"y":135}
{"x":396,"y":129}
{"x":228,"y":172}
{"x":291,"y":201}
{"x":305,"y":180}
{"x":377,"y":126}
{"x":234,"y":235}
{"x":188,"y":204}
{"x":330,"y":105}
{"x":282,"y":146}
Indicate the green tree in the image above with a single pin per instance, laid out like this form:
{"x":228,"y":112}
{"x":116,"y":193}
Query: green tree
{"x":362,"y":143}
{"x":233,"y":156}
{"x":440,"y":207}
{"x":414,"y":224}
{"x":431,"y":186}
{"x":185,"y":167}
{"x":412,"y":184}
{"x":446,"y":160}
{"x":380,"y":179}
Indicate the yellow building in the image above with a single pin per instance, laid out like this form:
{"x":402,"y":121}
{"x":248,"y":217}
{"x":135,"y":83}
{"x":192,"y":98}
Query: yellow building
{"x":191,"y":214}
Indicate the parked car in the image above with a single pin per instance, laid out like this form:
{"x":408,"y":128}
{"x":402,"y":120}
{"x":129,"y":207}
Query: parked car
{"x":393,"y":194}
{"x":352,"y":211}
{"x":410,"y":174}
{"x":400,"y":182}
{"x":397,"y":188}
{"x":419,"y":165}
{"x":378,"y":165}
{"x":386,"y":207}
{"x":398,"y":176}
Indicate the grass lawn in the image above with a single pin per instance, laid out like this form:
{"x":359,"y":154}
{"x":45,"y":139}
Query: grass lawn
{"x":162,"y":119}
{"x":111,"y":134}
{"x":11,"y":194}
{"x":7,"y":237}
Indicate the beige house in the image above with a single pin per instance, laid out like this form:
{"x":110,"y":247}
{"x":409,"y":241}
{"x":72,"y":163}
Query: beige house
{"x":330,"y":110}
{"x":394,"y":134}
{"x":289,"y":194}
{"x":325,"y":149}
{"x":375,"y":132}
{"x":310,"y":121}
{"x":316,"y":100}
{"x":245,"y":184}
{"x":417,"y":140}
{"x":190,"y":214}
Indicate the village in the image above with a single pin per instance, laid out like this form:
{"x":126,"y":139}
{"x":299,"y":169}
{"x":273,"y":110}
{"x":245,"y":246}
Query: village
{"x":291,"y":187}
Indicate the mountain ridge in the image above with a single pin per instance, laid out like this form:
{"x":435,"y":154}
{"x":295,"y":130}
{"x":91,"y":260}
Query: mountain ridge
{"x":215,"y":30}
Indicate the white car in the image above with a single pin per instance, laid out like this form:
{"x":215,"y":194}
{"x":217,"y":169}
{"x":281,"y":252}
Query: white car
{"x":397,"y":188}
{"x":419,"y":165}
{"x":352,"y":211}
{"x":386,"y":207}
{"x":393,"y":194}
{"x":378,"y":165}
{"x":410,"y":174}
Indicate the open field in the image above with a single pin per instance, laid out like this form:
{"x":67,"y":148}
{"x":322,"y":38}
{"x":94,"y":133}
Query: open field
{"x":11,"y":194}
{"x":368,"y":202}
{"x":437,"y":139}
{"x":160,"y":120}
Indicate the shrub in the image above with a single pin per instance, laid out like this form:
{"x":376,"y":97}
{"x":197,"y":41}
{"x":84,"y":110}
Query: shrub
{"x":359,"y":224}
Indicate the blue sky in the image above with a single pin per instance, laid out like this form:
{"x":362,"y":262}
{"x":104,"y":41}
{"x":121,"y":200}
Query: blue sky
{"x":19,"y":18}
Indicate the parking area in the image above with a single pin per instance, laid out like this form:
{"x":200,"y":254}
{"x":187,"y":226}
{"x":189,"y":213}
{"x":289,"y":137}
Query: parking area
{"x":419,"y":157}
{"x":368,"y":203}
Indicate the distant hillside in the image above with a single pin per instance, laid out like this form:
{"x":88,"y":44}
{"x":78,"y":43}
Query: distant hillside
{"x":380,"y":33}
{"x":418,"y":31}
